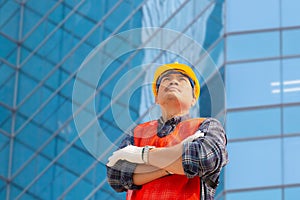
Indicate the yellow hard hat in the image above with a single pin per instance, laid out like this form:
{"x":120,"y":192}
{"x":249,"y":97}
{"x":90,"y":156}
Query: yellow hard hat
{"x":180,"y":67}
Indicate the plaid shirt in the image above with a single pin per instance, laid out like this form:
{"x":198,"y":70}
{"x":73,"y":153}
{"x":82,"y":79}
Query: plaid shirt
{"x":203,"y":157}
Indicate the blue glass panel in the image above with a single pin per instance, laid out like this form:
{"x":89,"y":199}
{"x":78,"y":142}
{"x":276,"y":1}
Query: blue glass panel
{"x":38,"y":36}
{"x":291,"y":116}
{"x":256,"y":195}
{"x":291,"y":80}
{"x":36,"y":68}
{"x":291,"y":160}
{"x":290,"y":12}
{"x":41,"y":7}
{"x":253,"y":46}
{"x":7,"y":47}
{"x":15,"y":190}
{"x":8,"y":8}
{"x":254,"y":164}
{"x":5,"y":117}
{"x":45,"y":185}
{"x":248,"y":85}
{"x":254,"y":14}
{"x":4,"y":152}
{"x":91,"y":11}
{"x":259,"y":123}
{"x":217,"y":54}
{"x":2,"y":189}
{"x":21,"y":154}
{"x":6,"y":90}
{"x":31,"y":19}
{"x":79,"y":25}
{"x":7,"y":73}
{"x":35,"y":103}
{"x":81,"y":190}
{"x":67,"y":159}
{"x":31,"y":131}
{"x":290,"y":42}
{"x":9,"y":19}
{"x":58,"y":14}
{"x":291,"y":193}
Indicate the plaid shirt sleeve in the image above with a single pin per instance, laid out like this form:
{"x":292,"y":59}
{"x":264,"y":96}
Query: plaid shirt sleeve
{"x":120,"y":175}
{"x":206,"y":156}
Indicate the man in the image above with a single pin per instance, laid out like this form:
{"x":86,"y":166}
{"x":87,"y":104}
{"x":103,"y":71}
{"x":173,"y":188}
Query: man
{"x":174,"y":157}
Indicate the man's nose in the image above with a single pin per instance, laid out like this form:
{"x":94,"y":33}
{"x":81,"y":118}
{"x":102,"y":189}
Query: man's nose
{"x":174,"y":81}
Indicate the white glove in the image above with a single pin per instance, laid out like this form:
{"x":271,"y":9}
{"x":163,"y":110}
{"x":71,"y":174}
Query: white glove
{"x":196,"y":135}
{"x":130,"y":153}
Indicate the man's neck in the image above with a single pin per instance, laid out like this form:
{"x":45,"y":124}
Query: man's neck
{"x":168,"y":116}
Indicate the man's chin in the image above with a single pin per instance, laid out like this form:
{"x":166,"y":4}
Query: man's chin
{"x":173,"y":96}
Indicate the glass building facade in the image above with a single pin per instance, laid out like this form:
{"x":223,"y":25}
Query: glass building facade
{"x":263,"y":98}
{"x":48,"y":152}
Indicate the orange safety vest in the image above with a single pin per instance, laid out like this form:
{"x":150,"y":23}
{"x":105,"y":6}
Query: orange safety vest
{"x":173,"y":186}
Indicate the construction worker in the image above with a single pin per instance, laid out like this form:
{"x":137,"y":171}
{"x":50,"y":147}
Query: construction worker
{"x":174,"y":157}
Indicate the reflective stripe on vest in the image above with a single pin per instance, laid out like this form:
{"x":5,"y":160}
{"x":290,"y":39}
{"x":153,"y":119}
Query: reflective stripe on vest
{"x":172,"y":186}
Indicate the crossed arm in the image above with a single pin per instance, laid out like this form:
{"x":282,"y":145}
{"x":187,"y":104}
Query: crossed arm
{"x":162,"y":161}
{"x":200,"y":157}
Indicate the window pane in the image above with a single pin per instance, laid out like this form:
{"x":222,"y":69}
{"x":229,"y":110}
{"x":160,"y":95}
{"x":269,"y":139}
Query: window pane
{"x":291,"y":160}
{"x":291,"y":116}
{"x":248,"y":85}
{"x":291,"y":193}
{"x":259,"y":123}
{"x":291,"y":42}
{"x":291,"y":78}
{"x":254,"y":164}
{"x":290,"y":12}
{"x":253,"y":46}
{"x":256,"y":195}
{"x":254,"y":14}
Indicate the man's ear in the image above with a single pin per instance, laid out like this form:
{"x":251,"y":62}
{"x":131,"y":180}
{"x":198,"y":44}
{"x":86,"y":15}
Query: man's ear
{"x":193,"y":101}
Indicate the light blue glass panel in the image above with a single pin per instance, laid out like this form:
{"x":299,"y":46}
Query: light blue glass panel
{"x":291,"y":160}
{"x":291,"y":80}
{"x":291,"y":116}
{"x":291,"y":193}
{"x":256,"y":195}
{"x":291,"y":42}
{"x":254,"y":164}
{"x":217,"y":54}
{"x":250,"y":84}
{"x":254,"y":14}
{"x":253,"y":46}
{"x":290,"y":12}
{"x":254,"y":123}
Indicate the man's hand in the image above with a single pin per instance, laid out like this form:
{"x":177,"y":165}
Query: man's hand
{"x":130,"y":153}
{"x":134,"y":154}
{"x":196,"y":135}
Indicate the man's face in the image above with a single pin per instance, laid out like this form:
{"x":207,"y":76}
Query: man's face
{"x":175,"y":86}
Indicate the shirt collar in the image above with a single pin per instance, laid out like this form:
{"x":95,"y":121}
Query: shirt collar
{"x":175,"y":120}
{"x":165,"y":128}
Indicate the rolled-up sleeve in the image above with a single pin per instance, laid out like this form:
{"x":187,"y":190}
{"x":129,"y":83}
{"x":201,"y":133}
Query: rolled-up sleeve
{"x":120,"y":176}
{"x":207,"y":154}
